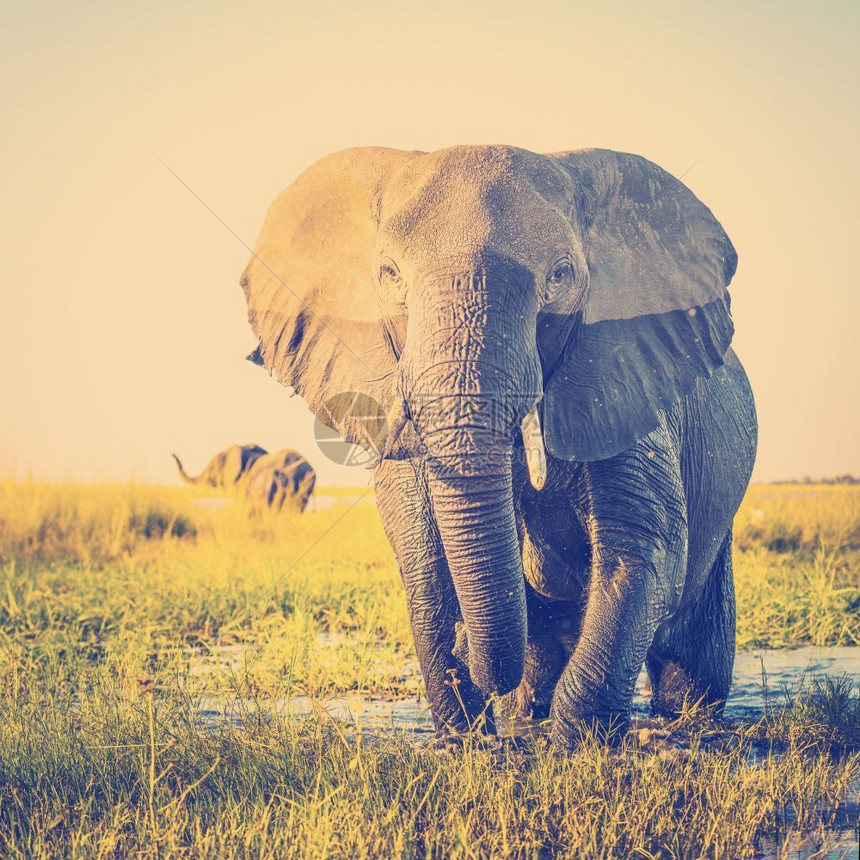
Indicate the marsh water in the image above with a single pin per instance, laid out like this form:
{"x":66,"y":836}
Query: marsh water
{"x":762,"y":679}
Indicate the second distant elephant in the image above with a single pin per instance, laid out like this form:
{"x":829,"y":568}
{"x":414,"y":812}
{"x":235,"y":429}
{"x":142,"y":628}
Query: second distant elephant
{"x":281,"y":479}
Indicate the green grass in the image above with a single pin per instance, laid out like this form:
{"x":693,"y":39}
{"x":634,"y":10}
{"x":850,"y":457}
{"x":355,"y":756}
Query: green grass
{"x":120,"y":607}
{"x":797,"y":566}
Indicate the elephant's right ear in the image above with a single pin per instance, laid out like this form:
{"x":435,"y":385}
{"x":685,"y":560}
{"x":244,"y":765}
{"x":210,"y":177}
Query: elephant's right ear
{"x":310,"y":289}
{"x":656,"y":316}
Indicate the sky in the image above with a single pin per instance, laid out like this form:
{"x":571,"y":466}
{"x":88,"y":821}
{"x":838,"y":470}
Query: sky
{"x":123,"y":329}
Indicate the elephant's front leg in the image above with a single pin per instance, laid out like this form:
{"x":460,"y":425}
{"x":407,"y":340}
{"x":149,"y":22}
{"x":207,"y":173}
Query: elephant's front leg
{"x":456,"y":703}
{"x":635,"y":514}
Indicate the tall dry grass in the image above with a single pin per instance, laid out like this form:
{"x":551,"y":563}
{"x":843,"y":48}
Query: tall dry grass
{"x":797,"y":566}
{"x":125,"y":612}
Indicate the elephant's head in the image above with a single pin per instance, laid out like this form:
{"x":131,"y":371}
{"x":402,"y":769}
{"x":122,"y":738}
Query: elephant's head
{"x":464,"y":288}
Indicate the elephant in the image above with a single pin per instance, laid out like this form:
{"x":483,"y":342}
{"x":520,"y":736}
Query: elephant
{"x":278,"y":480}
{"x":565,"y":431}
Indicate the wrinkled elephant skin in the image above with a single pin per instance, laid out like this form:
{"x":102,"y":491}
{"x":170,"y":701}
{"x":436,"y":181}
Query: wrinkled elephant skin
{"x":571,"y":431}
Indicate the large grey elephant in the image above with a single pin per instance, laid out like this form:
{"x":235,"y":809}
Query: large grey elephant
{"x":569,"y":432}
{"x":278,"y":480}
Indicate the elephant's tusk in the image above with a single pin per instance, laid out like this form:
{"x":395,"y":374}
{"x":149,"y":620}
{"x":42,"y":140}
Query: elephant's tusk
{"x":533,"y":444}
{"x":397,"y":421}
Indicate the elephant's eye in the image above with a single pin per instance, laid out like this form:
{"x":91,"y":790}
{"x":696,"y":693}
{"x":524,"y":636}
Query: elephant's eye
{"x":560,"y":275}
{"x":387,"y":272}
{"x":391,"y":281}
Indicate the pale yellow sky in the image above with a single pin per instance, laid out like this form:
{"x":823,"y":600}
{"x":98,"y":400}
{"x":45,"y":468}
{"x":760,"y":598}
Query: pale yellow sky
{"x":122,"y":326}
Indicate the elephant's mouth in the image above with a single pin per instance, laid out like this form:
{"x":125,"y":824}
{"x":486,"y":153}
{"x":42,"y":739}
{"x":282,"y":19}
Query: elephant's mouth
{"x":530,"y":429}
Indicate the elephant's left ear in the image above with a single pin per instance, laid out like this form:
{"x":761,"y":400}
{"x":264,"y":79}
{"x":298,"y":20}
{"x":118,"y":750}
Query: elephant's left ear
{"x":656,"y":315}
{"x":310,"y":288}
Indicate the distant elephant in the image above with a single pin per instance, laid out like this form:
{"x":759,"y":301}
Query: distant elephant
{"x":284,"y":478}
{"x":569,"y":432}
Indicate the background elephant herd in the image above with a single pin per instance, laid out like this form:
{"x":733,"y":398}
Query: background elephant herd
{"x":282,"y":480}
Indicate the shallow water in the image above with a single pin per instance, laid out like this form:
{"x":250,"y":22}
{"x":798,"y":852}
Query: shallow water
{"x":784,"y":670}
{"x":760,"y":677}
{"x":830,"y":845}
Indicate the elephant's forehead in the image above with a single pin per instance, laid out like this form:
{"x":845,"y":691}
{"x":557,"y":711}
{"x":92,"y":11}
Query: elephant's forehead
{"x":478,"y":164}
{"x":476,"y":197}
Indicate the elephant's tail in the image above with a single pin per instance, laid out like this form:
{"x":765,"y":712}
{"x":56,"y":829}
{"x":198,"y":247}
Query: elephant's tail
{"x":185,"y":476}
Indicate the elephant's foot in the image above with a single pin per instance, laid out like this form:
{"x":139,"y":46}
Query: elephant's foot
{"x":569,"y":732}
{"x":545,"y":661}
{"x":691,"y":657}
{"x":528,"y":703}
{"x":494,"y":745}
{"x":584,"y":711}
{"x":467,"y":724}
{"x":678,"y":691}
{"x":459,"y":709}
{"x":519,"y":713}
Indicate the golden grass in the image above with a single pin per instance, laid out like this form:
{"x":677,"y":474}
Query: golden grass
{"x":120,"y":607}
{"x":797,"y":566}
{"x":100,"y":778}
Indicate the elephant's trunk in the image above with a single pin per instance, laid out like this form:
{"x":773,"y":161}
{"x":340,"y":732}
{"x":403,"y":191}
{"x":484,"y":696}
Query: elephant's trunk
{"x":475,"y":516}
{"x":185,"y":476}
{"x":470,"y":374}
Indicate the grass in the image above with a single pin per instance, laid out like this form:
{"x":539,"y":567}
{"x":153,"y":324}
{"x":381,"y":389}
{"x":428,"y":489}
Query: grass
{"x":125,"y":610}
{"x":797,"y":566}
{"x":109,"y":777}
